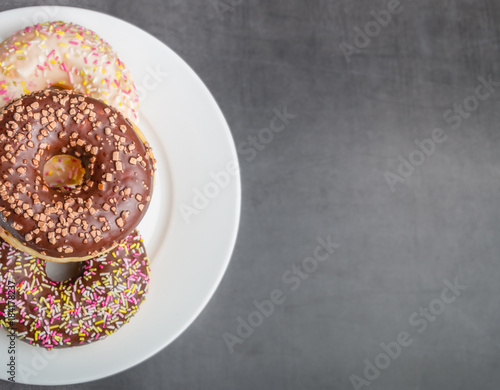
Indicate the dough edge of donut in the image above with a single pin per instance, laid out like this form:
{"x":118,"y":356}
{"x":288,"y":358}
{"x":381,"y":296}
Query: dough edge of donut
{"x":7,"y":237}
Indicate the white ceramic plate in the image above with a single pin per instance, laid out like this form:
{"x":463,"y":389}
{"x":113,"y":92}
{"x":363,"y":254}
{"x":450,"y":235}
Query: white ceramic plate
{"x":192,"y":144}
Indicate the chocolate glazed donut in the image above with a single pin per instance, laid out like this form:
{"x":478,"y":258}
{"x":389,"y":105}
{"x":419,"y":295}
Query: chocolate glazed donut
{"x":86,"y":308}
{"x":70,"y":224}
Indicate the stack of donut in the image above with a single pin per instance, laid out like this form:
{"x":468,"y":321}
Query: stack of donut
{"x":76,"y":178}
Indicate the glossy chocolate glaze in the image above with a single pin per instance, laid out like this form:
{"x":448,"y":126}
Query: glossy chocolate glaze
{"x":92,"y":217}
{"x":87,"y":308}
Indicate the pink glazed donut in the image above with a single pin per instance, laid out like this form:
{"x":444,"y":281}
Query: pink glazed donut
{"x":68,"y":56}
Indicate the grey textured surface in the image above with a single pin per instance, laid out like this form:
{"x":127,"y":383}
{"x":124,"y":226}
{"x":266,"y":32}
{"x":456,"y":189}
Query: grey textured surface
{"x":325,"y":175}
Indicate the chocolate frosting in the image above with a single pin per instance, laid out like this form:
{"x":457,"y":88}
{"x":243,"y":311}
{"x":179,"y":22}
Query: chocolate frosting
{"x":94,"y":216}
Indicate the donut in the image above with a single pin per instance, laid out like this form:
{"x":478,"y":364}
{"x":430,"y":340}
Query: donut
{"x":69,"y":56}
{"x":70,"y":223}
{"x":89,"y":307}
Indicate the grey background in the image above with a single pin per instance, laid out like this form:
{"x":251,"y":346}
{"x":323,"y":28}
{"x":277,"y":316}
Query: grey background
{"x":324,"y":175}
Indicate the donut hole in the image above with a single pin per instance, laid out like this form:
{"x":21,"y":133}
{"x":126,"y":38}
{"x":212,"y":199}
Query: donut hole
{"x":59,"y":272}
{"x":60,"y":86}
{"x":63,"y":172}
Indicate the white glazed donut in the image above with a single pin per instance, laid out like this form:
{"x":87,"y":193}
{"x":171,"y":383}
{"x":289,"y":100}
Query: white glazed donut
{"x":68,"y":56}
